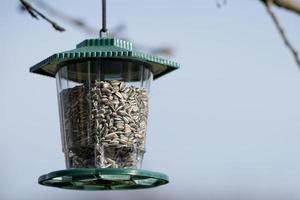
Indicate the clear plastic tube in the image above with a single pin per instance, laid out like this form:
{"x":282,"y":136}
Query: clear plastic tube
{"x":103,"y":106}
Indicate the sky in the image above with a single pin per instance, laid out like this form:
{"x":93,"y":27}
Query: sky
{"x":223,"y":126}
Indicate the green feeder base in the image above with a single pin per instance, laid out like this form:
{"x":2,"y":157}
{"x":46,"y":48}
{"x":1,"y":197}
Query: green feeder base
{"x":103,"y":179}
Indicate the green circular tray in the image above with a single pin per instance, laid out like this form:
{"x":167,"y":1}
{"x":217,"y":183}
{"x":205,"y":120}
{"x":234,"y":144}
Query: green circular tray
{"x":103,"y":179}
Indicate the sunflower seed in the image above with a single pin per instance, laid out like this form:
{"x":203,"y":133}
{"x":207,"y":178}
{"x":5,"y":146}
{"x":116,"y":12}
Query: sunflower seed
{"x":104,"y":124}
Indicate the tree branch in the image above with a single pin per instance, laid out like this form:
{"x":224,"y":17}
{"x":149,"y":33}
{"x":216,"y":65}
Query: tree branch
{"x":291,"y":5}
{"x":288,"y":44}
{"x":163,"y":50}
{"x":77,"y":22}
{"x":35,"y":13}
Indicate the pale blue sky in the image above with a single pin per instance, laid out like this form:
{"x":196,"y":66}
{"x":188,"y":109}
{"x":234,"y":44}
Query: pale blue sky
{"x":224,"y":126}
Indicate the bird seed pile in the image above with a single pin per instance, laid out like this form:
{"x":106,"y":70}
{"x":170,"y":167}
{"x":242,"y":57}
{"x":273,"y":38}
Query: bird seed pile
{"x":104,"y":124}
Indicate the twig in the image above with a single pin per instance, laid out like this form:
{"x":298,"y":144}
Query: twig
{"x":220,"y":3}
{"x":35,"y":13}
{"x":268,"y":4}
{"x":77,"y":22}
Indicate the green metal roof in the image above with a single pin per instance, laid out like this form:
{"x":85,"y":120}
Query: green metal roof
{"x":104,"y":48}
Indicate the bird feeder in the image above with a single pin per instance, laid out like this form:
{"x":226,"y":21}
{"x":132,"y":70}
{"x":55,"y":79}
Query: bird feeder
{"x":103,"y":91}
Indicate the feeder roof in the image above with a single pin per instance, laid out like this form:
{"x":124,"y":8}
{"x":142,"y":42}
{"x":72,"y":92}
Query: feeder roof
{"x":104,"y":48}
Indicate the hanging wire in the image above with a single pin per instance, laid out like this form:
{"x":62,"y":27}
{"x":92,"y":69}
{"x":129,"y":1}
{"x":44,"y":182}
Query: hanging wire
{"x":103,"y":31}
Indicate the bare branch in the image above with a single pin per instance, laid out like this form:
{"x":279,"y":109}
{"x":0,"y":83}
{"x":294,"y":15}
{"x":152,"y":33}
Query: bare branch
{"x":221,"y":3}
{"x":24,"y":7}
{"x":268,"y":4}
{"x":77,"y":22}
{"x":35,"y":13}
{"x":167,"y":51}
{"x":291,"y":5}
{"x":116,"y":32}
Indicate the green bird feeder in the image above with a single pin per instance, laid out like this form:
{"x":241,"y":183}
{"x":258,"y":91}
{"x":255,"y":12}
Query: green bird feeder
{"x":103,"y":89}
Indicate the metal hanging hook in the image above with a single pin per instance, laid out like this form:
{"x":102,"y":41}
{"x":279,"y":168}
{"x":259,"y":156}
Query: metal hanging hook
{"x":104,"y":31}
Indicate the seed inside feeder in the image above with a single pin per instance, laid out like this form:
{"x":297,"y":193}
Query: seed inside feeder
{"x":105,"y":124}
